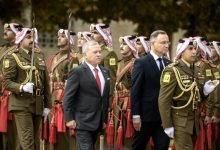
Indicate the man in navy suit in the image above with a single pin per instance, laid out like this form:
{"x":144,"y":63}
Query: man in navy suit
{"x":86,"y":97}
{"x":144,"y":94}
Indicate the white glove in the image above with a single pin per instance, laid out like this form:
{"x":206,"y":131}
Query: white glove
{"x":28,"y":87}
{"x":46,"y":111}
{"x":169,"y":132}
{"x":210,"y":86}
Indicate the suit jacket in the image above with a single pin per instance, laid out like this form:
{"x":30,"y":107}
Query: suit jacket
{"x":145,"y":88}
{"x":83,"y":101}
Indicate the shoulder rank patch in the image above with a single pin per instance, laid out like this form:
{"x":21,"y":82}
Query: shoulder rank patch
{"x":6,"y":63}
{"x":112,"y":62}
{"x":166,"y":77}
{"x":208,"y":72}
{"x":74,"y":65}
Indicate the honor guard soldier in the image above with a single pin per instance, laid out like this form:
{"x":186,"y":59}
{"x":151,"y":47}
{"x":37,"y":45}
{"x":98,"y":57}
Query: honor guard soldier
{"x":182,"y":89}
{"x":143,"y":45}
{"x":7,"y":126}
{"x":120,"y":114}
{"x":59,"y":67}
{"x":101,"y":33}
{"x":26,"y":77}
{"x":213,"y":103}
{"x":214,"y":106}
{"x":83,"y":37}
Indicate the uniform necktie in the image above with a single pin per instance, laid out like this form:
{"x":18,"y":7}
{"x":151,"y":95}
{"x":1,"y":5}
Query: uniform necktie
{"x":161,"y":64}
{"x":97,"y":78}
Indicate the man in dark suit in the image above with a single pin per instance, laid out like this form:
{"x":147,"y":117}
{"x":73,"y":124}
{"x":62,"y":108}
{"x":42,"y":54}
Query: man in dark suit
{"x":144,"y":94}
{"x":86,"y":97}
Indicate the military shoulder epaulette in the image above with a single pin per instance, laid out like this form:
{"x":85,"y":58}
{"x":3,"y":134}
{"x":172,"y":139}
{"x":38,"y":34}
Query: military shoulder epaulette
{"x":173,"y":64}
{"x":212,"y":65}
{"x":37,"y":50}
{"x":218,"y":66}
{"x":13,"y":51}
{"x":4,"y":44}
{"x":200,"y":63}
{"x":119,"y":60}
{"x":108,"y":49}
{"x":205,"y":61}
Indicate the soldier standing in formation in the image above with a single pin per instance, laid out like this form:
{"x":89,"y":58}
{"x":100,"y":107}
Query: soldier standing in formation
{"x":83,"y":37}
{"x":143,"y":45}
{"x":29,"y":89}
{"x":182,"y":89}
{"x":101,"y":33}
{"x":213,"y":103}
{"x":120,"y":114}
{"x":8,"y":127}
{"x":60,"y":65}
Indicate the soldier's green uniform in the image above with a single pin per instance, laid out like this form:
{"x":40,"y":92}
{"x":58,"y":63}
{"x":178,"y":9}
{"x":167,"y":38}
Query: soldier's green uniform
{"x":180,"y":94}
{"x":27,"y":108}
{"x":109,"y":61}
{"x":9,"y":142}
{"x":58,"y":71}
{"x":209,"y":70}
{"x":121,"y":100}
{"x":213,"y":103}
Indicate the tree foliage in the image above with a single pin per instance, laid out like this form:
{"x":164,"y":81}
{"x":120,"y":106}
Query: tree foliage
{"x":197,"y":17}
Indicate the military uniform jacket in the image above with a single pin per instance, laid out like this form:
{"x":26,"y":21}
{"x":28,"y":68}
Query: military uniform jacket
{"x":125,"y":80}
{"x":58,"y":71}
{"x":109,"y":61}
{"x":213,"y":102}
{"x":15,"y":75}
{"x":4,"y":49}
{"x":171,"y":94}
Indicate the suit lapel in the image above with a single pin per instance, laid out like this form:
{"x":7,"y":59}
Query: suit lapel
{"x":153,"y":63}
{"x":90,"y":75}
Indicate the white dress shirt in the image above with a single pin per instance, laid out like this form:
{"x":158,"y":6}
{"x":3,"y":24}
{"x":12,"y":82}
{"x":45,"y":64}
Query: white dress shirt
{"x":156,"y":59}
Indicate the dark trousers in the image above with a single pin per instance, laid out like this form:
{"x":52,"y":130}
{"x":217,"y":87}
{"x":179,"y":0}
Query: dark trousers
{"x":86,"y":139}
{"x":148,"y":129}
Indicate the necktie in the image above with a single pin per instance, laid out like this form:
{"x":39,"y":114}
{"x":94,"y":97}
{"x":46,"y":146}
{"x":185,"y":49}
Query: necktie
{"x":97,"y":79}
{"x":161,"y":64}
